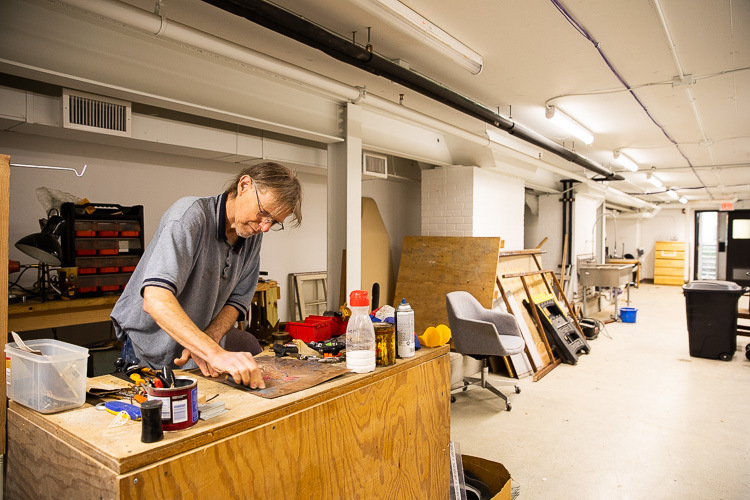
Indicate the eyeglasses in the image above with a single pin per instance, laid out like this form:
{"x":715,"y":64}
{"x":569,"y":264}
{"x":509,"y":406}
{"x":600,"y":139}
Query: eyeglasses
{"x":265,"y":217}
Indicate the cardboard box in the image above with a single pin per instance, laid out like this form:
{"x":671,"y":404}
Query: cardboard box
{"x":493,"y":474}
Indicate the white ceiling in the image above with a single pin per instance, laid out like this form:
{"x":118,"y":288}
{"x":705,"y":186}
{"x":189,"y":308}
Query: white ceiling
{"x":534,"y":56}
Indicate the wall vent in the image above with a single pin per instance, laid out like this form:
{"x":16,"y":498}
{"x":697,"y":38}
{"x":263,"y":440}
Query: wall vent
{"x":375,"y":165}
{"x":93,"y":113}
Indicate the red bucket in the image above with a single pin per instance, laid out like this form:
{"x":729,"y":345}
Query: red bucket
{"x":179,"y":408}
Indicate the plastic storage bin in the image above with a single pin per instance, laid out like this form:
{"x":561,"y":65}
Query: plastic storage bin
{"x":628,"y":314}
{"x":338,"y":325}
{"x":711,"y":308}
{"x":309,"y":331}
{"x":51,"y":382}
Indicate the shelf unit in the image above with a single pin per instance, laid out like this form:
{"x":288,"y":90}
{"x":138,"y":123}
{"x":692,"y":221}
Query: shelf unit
{"x":669,"y":263}
{"x":105,"y":242}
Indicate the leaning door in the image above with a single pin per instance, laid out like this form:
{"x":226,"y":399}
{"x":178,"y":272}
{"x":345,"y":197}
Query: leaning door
{"x":738,"y":247}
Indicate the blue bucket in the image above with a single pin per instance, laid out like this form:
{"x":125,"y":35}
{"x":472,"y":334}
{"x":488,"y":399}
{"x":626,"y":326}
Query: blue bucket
{"x":627,"y":314}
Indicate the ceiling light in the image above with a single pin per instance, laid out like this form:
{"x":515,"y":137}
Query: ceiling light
{"x":625,"y":161}
{"x":654,"y":180}
{"x":569,"y":125}
{"x":682,"y":200}
{"x":414,"y":24}
{"x":672,"y":194}
{"x":505,"y":140}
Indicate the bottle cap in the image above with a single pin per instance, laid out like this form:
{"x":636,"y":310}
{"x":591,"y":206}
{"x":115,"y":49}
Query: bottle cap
{"x":358,"y":298}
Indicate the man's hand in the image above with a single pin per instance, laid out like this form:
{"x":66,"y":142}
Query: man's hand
{"x":206,"y":369}
{"x":240,"y":365}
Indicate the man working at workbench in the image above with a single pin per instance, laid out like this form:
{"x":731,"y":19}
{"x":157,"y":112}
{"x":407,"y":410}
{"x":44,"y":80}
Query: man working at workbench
{"x":199,"y":273}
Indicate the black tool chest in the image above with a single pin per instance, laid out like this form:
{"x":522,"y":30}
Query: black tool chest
{"x":104,"y":241}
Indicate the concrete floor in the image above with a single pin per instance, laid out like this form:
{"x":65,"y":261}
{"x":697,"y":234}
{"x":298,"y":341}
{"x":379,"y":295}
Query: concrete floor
{"x":638,"y":418}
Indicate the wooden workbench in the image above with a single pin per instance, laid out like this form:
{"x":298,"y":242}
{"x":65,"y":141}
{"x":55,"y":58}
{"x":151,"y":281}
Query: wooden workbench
{"x":379,"y":435}
{"x":37,"y":315}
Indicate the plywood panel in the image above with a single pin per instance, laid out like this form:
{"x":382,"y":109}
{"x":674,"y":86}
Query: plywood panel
{"x":432,"y":266}
{"x":43,"y":466}
{"x":4,"y":211}
{"x":377,"y":261}
{"x":513,"y":288}
{"x":667,"y":280}
{"x":677,"y":264}
{"x":670,"y":246}
{"x":677,"y":255}
{"x":660,"y":271}
{"x":368,"y":436}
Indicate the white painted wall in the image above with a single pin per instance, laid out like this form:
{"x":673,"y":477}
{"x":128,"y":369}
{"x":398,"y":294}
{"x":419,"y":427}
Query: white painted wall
{"x":498,"y":207}
{"x":447,"y":201}
{"x":471,"y":201}
{"x":399,"y":203}
{"x":549,"y":226}
{"x":585,"y":213}
{"x":130,"y":177}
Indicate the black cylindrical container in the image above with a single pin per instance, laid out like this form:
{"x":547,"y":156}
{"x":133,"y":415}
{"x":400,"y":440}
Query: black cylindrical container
{"x":151,"y":427}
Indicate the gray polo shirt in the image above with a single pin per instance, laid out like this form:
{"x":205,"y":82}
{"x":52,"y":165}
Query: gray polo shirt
{"x":191,"y":257}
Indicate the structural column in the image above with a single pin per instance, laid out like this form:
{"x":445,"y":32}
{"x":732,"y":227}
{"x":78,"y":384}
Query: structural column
{"x":345,"y":205}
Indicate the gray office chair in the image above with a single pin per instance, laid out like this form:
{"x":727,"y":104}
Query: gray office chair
{"x":481,"y":333}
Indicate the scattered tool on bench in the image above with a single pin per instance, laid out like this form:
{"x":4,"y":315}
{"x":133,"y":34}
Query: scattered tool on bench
{"x":167,"y":377}
{"x":117,"y":407}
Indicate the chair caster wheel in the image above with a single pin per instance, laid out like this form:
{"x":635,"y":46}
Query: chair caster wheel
{"x":518,"y":390}
{"x":508,"y":407}
{"x":453,"y":399}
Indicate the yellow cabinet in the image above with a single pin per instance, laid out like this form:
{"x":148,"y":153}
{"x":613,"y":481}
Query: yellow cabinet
{"x":669,"y":263}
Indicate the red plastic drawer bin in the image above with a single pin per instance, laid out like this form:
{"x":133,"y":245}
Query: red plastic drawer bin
{"x":338,"y":325}
{"x":309,"y":332}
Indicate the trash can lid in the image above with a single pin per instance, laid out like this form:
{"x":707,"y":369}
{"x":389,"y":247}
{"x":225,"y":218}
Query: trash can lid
{"x":713,"y":286}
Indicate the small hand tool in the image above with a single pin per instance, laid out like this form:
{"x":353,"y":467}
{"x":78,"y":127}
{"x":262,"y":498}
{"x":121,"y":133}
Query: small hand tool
{"x":167,"y":377}
{"x":115,"y":407}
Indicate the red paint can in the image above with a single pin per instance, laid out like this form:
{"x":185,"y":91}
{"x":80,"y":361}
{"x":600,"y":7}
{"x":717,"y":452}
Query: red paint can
{"x":179,"y":403}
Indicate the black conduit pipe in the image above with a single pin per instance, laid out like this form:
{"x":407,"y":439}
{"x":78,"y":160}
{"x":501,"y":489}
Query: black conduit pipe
{"x":297,"y":28}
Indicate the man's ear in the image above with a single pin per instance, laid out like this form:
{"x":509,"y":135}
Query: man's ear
{"x":246,"y":182}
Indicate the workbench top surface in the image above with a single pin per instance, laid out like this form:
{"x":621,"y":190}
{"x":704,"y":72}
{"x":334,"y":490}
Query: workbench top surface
{"x":120,"y":449}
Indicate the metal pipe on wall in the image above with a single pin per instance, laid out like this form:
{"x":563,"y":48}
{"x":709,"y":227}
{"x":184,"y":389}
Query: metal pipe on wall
{"x":300,"y":29}
{"x":119,"y":12}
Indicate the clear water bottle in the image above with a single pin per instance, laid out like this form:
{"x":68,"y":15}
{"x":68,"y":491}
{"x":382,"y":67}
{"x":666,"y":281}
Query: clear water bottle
{"x":360,"y":335}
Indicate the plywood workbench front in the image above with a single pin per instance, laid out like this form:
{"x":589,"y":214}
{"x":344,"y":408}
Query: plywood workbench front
{"x":380,"y":435}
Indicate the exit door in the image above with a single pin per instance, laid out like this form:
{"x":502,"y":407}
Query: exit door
{"x":738,"y":247}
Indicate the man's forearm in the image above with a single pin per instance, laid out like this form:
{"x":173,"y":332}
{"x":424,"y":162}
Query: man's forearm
{"x":222,"y":323}
{"x":163,"y":307}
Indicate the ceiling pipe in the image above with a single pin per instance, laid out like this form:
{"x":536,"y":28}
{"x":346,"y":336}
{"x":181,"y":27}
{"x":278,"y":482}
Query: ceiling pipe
{"x":297,"y":28}
{"x":119,"y":12}
{"x":447,"y":128}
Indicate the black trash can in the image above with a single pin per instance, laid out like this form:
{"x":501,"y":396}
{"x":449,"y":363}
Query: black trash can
{"x":711,"y":308}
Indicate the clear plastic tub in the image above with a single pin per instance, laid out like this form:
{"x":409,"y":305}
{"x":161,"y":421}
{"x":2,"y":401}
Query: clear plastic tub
{"x":51,"y":382}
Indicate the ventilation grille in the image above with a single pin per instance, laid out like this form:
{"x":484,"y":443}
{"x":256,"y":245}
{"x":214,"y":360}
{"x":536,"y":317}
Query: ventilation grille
{"x":94,"y":113}
{"x":375,"y":165}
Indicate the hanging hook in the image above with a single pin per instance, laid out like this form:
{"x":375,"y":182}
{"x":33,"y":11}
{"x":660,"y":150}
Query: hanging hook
{"x":51,"y":168}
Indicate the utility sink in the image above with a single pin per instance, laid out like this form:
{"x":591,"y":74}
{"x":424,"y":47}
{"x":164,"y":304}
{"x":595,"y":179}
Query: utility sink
{"x":605,"y":275}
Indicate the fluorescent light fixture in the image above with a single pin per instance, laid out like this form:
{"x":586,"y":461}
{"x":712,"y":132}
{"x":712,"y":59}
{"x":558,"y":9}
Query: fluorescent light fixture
{"x":504,"y":140}
{"x":682,"y":200}
{"x":672,"y":194}
{"x":625,"y":161}
{"x":654,"y":180}
{"x":414,"y":24}
{"x":569,"y":125}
